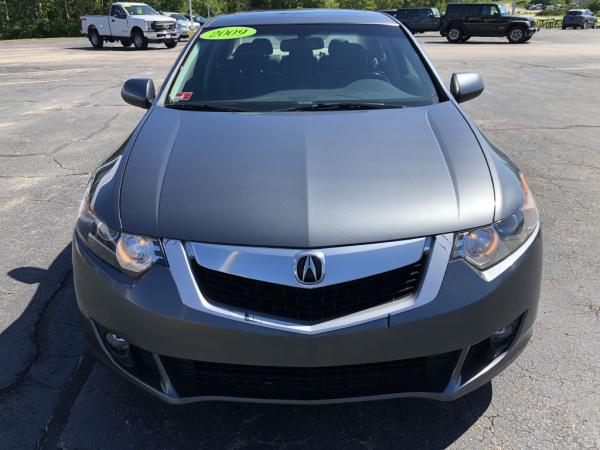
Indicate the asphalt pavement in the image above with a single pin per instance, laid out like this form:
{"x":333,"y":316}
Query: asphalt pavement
{"x":61,"y":115}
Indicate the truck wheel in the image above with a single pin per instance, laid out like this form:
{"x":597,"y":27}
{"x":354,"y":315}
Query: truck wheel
{"x":126,"y":42}
{"x":516,"y":35}
{"x":171,"y":43}
{"x":455,"y":34}
{"x":95,"y":38}
{"x":139,"y":40}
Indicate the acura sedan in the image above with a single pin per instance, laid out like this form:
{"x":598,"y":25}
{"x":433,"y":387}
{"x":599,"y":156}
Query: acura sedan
{"x":305,"y":214}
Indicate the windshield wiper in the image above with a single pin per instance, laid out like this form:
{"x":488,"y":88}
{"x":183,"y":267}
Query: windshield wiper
{"x":340,"y":106}
{"x":205,"y":107}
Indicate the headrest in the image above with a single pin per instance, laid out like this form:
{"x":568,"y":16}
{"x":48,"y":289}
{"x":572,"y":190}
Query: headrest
{"x":263,"y":45}
{"x":334,"y":46}
{"x":293,"y":45}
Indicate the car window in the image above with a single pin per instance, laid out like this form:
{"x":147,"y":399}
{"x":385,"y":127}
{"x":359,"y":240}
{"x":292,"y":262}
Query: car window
{"x":413,"y":13}
{"x":472,"y":10}
{"x":435,"y":12}
{"x":574,"y":13}
{"x":141,"y":10}
{"x":283,"y":66}
{"x":489,"y":10}
{"x":178,"y":16}
{"x":116,"y":11}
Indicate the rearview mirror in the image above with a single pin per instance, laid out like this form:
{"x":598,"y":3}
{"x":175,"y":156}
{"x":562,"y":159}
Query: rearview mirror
{"x":465,"y":86}
{"x":139,"y":92}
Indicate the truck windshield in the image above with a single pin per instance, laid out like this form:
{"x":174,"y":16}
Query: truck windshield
{"x":141,"y":10}
{"x":304,"y":67}
{"x":503,"y":9}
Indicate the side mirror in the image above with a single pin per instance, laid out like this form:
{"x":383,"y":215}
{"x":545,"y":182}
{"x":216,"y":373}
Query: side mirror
{"x":139,"y":92}
{"x":465,"y":86}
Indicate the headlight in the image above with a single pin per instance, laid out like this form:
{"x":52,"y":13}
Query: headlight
{"x":130,"y":253}
{"x":484,"y":247}
{"x":149,"y":26}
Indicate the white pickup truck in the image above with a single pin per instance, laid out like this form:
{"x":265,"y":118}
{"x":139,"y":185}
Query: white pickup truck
{"x":130,"y":23}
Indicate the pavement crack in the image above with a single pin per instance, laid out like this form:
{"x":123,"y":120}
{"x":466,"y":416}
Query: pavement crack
{"x":50,"y":437}
{"x":33,"y":177}
{"x":103,"y":127}
{"x":565,"y":127}
{"x":24,"y":374}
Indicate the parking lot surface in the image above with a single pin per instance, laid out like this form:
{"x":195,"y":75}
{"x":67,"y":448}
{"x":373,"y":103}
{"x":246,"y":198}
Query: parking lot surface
{"x":61,"y":115}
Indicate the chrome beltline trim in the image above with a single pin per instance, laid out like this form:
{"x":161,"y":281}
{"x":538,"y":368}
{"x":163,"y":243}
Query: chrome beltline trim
{"x":191,"y":296}
{"x":277,"y":265}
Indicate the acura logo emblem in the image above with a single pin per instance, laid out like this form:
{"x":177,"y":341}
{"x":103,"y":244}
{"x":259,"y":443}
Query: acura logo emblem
{"x":309,"y":267}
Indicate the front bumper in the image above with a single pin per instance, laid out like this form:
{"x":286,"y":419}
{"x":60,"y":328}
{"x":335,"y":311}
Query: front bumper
{"x":168,"y":337}
{"x":161,"y":36}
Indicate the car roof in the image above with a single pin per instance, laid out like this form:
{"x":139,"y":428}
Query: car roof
{"x":303,"y":16}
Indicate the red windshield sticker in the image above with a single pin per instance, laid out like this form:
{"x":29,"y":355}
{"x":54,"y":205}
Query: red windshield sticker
{"x":183,"y":96}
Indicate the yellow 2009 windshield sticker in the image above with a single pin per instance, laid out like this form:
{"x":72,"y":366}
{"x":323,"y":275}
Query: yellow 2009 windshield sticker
{"x":228,"y":33}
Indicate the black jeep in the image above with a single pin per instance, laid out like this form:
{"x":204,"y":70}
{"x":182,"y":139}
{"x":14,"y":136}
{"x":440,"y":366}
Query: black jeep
{"x":463,"y":20}
{"x":419,"y":20}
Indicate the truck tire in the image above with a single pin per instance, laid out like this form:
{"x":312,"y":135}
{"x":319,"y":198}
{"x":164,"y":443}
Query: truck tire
{"x":516,"y":35}
{"x":139,"y":40}
{"x":455,"y":34}
{"x":126,"y":42}
{"x":171,"y":43}
{"x":95,"y":38}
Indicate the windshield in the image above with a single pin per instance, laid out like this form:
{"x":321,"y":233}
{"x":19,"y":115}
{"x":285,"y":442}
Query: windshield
{"x":574,"y":13}
{"x":178,"y":17}
{"x":503,"y":9}
{"x":141,"y":10}
{"x":286,"y":66}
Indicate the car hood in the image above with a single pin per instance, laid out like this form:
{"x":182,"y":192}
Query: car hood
{"x":305,"y":179}
{"x":154,"y":18}
{"x":523,"y":18}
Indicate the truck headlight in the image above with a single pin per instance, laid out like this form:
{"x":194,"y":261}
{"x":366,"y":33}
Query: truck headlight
{"x":486,"y":246}
{"x":149,"y":26}
{"x":130,"y":253}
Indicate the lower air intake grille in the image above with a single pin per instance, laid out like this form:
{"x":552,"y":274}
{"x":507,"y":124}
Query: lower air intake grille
{"x":425,"y":374}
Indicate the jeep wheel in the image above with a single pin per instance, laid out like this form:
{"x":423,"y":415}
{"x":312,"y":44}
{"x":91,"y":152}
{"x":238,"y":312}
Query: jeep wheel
{"x":126,"y":42}
{"x":516,"y":35}
{"x":171,"y":43}
{"x":96,"y":40}
{"x":455,"y":34}
{"x":139,"y":40}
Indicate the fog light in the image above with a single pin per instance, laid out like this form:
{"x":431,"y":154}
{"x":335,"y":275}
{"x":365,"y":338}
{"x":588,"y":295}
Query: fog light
{"x":502,"y":338}
{"x":117,"y":344}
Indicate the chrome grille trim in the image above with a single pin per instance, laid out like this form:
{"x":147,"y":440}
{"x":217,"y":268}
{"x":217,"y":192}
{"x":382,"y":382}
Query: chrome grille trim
{"x":276,"y":265}
{"x":439,"y":248}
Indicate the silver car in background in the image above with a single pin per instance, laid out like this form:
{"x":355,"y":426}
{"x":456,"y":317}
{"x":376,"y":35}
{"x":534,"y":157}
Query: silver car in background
{"x":305,"y":214}
{"x":185,"y":27}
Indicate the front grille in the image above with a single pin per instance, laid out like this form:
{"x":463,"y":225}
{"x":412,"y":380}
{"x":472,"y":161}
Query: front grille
{"x":158,"y":26}
{"x":308,"y":305}
{"x":425,"y":374}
